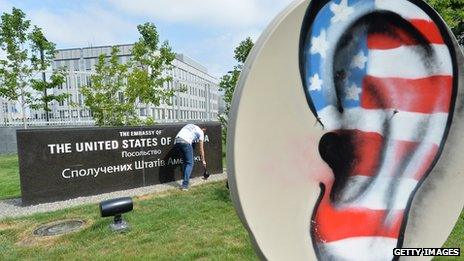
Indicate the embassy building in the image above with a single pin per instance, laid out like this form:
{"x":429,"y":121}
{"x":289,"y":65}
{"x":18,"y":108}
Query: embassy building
{"x":199,"y":101}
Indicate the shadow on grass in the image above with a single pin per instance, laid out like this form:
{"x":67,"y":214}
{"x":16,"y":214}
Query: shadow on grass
{"x":222,"y":193}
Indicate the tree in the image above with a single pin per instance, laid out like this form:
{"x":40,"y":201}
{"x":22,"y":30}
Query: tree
{"x":46,"y":53}
{"x":18,"y":70}
{"x":104,"y":96}
{"x":117,"y":88}
{"x":15,"y":70}
{"x":149,"y":60}
{"x":452,"y":12}
{"x":230,"y":80}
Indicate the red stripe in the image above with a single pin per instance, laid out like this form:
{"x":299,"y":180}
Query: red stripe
{"x":367,"y":151}
{"x":369,"y":148}
{"x":427,"y":95}
{"x":397,"y":37}
{"x":333,"y":225}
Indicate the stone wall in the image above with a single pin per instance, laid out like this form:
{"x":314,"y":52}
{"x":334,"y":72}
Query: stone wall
{"x":8,"y":140}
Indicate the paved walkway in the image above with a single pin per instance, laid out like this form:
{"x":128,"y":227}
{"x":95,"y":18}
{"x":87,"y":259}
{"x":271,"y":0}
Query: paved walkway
{"x":13,"y":207}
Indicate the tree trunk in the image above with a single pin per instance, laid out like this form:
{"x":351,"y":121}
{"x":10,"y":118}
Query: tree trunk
{"x":44,"y":79}
{"x":23,"y":109}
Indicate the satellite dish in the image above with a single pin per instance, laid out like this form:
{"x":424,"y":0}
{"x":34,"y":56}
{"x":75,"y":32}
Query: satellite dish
{"x":344,"y":133}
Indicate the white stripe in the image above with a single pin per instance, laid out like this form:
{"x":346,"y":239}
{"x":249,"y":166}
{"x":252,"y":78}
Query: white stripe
{"x":378,"y":193}
{"x":404,"y":8}
{"x":359,"y":248}
{"x":420,"y":158}
{"x":410,"y":62}
{"x":403,"y":126}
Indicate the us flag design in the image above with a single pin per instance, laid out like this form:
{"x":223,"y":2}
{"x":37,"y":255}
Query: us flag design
{"x":378,"y":75}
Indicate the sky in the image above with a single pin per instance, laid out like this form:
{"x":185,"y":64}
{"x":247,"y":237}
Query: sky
{"x":205,"y":30}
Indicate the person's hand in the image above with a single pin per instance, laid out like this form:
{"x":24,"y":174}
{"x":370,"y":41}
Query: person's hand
{"x":204,"y":163}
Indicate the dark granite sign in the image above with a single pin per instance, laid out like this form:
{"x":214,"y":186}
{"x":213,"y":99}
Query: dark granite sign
{"x":60,"y":164}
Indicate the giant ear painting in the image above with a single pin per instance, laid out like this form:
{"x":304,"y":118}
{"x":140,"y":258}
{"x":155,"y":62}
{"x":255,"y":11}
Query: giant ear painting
{"x":344,"y":141}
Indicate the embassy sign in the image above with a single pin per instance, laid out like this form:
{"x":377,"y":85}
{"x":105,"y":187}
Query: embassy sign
{"x":60,"y":164}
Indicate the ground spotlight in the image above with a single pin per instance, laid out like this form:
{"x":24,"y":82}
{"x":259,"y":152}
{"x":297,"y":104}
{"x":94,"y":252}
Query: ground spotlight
{"x":116,"y":207}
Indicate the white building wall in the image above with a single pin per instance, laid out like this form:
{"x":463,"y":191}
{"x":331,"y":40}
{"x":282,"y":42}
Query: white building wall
{"x":199,"y":102}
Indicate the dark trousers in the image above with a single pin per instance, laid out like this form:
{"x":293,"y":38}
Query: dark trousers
{"x":187,"y":155}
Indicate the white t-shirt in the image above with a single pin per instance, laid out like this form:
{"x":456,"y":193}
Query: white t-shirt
{"x":191,"y":133}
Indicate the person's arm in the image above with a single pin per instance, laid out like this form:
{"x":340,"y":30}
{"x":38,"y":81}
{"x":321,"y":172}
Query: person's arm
{"x":202,"y":153}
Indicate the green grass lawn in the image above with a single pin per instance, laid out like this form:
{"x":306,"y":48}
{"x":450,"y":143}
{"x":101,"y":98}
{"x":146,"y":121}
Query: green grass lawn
{"x":9,"y":177}
{"x":199,"y":224}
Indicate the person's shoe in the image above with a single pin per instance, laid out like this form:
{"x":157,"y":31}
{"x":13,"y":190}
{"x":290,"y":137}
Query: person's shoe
{"x":184,"y":188}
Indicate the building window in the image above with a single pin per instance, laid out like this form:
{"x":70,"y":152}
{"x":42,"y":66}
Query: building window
{"x":143,"y":112}
{"x":88,"y":65}
{"x":76,"y":65}
{"x":67,"y":82}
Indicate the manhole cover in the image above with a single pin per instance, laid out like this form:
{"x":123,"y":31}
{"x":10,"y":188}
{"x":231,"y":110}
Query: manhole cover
{"x":59,"y":227}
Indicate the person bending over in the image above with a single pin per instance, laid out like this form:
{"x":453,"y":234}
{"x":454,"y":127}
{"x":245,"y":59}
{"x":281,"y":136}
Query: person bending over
{"x":188,"y":135}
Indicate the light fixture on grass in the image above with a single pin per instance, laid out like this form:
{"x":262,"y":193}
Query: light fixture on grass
{"x":116,"y":207}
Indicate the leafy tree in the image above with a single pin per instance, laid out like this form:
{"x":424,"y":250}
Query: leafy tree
{"x":243,"y":50}
{"x":452,"y":12}
{"x":104,"y":96}
{"x":18,"y":70}
{"x":149,"y":60}
{"x":230,"y":80}
{"x":117,"y":88}
{"x":15,"y":71}
{"x":43,"y":53}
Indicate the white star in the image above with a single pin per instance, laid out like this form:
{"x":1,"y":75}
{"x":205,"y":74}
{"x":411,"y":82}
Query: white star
{"x":341,"y":11}
{"x":316,"y":83}
{"x":319,"y":44}
{"x":352,"y":93}
{"x":359,"y":61}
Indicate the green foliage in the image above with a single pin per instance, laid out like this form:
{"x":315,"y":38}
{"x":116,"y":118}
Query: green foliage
{"x":116,"y":88}
{"x":230,"y":80}
{"x":105,"y":96}
{"x":27,"y":52}
{"x":43,"y":53}
{"x":15,"y":71}
{"x":228,"y":83}
{"x":150,"y":60}
{"x":42,"y":101}
{"x":452,"y":12}
{"x":243,"y":50}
